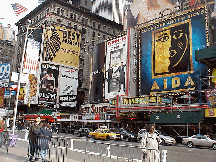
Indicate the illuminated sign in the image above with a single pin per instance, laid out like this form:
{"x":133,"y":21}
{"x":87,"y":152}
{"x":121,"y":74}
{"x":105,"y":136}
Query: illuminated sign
{"x":210,"y":112}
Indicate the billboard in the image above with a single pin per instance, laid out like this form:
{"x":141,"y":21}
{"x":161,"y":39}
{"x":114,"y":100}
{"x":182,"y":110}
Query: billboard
{"x":145,"y":11}
{"x":32,"y":89}
{"x":68,"y":87}
{"x":2,"y":91}
{"x":49,"y":83}
{"x":116,"y":67}
{"x":168,"y":53}
{"x":96,"y":92}
{"x":32,"y":51}
{"x":4,"y":74}
{"x":62,"y":45}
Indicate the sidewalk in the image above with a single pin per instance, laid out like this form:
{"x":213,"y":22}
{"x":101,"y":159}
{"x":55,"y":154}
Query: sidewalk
{"x":19,"y":154}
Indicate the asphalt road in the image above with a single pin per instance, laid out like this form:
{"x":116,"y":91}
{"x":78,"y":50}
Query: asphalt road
{"x":177,"y":153}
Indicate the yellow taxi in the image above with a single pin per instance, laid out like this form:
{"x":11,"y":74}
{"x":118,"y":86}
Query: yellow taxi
{"x":104,"y":134}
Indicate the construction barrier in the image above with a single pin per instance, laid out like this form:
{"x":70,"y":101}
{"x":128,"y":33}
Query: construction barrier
{"x":104,"y":151}
{"x":47,"y":148}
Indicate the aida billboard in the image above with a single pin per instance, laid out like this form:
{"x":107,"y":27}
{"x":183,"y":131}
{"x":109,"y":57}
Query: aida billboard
{"x":116,"y":67}
{"x":62,"y":46}
{"x":168,"y":53}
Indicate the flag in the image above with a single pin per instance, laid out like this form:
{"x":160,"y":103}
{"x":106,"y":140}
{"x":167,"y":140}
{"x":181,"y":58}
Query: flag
{"x":18,"y":9}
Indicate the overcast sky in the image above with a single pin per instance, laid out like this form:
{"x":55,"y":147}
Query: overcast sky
{"x":7,"y":12}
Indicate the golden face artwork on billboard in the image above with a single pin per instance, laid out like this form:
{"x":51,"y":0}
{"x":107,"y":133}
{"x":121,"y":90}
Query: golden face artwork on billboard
{"x":62,"y":45}
{"x":171,"y":50}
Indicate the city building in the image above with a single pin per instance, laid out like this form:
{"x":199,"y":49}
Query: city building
{"x":90,"y":29}
{"x":110,"y":9}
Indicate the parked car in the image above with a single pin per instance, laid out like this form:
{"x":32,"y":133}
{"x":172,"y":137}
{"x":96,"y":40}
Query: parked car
{"x":125,"y":134}
{"x":84,"y":132}
{"x":199,"y":141}
{"x":165,"y":139}
{"x":104,"y":134}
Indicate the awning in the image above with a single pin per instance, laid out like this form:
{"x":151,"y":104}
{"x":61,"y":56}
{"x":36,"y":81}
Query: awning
{"x":185,"y":117}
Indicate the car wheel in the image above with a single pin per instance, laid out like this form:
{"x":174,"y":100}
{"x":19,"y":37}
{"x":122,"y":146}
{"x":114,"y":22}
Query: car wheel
{"x":190,"y":144}
{"x":107,"y":138}
{"x":214,"y":146}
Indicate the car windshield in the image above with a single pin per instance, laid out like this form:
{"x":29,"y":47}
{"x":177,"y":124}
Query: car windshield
{"x":107,"y":131}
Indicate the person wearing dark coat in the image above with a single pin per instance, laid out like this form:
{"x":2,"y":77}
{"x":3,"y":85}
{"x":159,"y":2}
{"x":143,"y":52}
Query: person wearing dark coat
{"x":44,"y":135}
{"x":33,"y":137}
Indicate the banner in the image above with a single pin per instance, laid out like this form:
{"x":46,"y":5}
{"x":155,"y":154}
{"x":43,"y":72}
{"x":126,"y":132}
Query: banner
{"x":32,"y":95}
{"x":68,"y":86}
{"x":32,"y":51}
{"x":62,"y":46}
{"x":210,"y":112}
{"x":116,"y":67}
{"x":49,"y":84}
{"x":211,"y":97}
{"x":2,"y":91}
{"x":168,"y":54}
{"x":4,"y":74}
{"x":96,"y":92}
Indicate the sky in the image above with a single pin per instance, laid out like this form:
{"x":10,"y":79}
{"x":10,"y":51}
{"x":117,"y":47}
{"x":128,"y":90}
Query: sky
{"x":7,"y":12}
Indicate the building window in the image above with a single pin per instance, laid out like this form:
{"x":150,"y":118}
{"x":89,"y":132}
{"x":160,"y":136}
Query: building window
{"x":113,"y":31}
{"x":62,"y":12}
{"x":58,"y":11}
{"x":82,"y":20}
{"x":86,"y":22}
{"x":94,"y":24}
{"x":99,"y":26}
{"x":75,"y":16}
{"x":71,"y":15}
{"x":85,"y":3}
{"x":104,"y":37}
{"x":93,"y":34}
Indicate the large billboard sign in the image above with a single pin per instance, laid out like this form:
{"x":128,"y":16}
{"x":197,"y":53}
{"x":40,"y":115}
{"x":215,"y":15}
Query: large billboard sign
{"x":116,"y":67}
{"x":68,"y":87}
{"x":49,"y":83}
{"x":32,"y":51}
{"x":146,"y":11}
{"x":168,"y":53}
{"x":4,"y":74}
{"x":62,"y":46}
{"x":96,"y":92}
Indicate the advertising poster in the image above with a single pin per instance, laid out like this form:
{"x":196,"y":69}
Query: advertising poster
{"x":32,"y":51}
{"x":33,"y":98}
{"x":62,"y":46}
{"x":168,"y":54}
{"x":116,"y":67}
{"x":49,"y":83}
{"x":4,"y":74}
{"x":68,"y":87}
{"x":145,"y":11}
{"x":2,"y":92}
{"x":96,"y":93}
{"x":211,"y":97}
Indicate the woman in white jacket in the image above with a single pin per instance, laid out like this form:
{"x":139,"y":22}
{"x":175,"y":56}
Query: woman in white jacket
{"x":150,"y":142}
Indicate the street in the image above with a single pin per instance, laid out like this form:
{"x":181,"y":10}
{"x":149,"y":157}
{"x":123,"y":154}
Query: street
{"x":177,"y":153}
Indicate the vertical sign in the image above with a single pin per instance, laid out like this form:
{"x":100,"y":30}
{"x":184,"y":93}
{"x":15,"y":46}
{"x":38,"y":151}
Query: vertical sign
{"x":49,"y":84}
{"x":68,"y":86}
{"x":116,"y":67}
{"x":4,"y":74}
{"x":2,"y":91}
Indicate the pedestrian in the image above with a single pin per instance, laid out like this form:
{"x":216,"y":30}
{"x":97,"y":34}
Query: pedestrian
{"x":1,"y":131}
{"x":33,"y":137}
{"x":150,"y":142}
{"x":44,"y":136}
